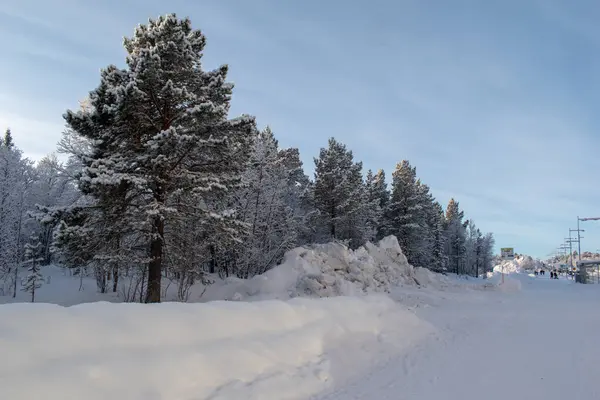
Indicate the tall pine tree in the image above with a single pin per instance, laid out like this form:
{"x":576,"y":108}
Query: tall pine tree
{"x":456,"y":236}
{"x":404,"y":214}
{"x":340,"y":196}
{"x":163,"y":147}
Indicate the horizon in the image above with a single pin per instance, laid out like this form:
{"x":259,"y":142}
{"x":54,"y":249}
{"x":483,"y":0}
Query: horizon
{"x":492,"y":103}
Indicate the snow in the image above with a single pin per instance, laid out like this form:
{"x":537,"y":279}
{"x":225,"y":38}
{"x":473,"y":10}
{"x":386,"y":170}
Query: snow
{"x":324,"y":321}
{"x":218,"y":350}
{"x":520,"y":263}
{"x":539,"y":343}
{"x":324,"y":270}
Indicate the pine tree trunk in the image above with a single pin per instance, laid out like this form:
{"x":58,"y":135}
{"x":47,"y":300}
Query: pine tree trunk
{"x":155,"y":264}
{"x":33,"y":288}
{"x":115,"y":278}
{"x":213,"y":259}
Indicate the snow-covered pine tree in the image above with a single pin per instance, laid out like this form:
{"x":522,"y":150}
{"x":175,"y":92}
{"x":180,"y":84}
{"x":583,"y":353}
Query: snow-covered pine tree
{"x":375,"y":216}
{"x":404,"y":216}
{"x":471,"y":249}
{"x":297,"y":184}
{"x":33,"y":261}
{"x":428,"y":215}
{"x":380,"y":189}
{"x":439,"y":257}
{"x":479,"y":256}
{"x":456,"y":236}
{"x":340,"y":195}
{"x":163,"y":148}
{"x":311,"y":228}
{"x":487,"y":257}
{"x":8,"y":139}
{"x":378,"y":198}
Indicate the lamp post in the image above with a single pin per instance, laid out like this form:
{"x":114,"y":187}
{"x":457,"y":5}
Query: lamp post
{"x":578,"y":230}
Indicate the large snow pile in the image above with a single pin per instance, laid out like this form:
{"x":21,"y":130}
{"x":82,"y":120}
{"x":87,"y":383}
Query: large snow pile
{"x":324,"y":270}
{"x":508,"y":267}
{"x":219,"y":350}
{"x":519,"y":264}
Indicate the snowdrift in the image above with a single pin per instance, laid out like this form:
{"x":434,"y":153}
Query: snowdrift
{"x":520,"y":264}
{"x":324,"y":270}
{"x":508,"y":267}
{"x":219,"y":350}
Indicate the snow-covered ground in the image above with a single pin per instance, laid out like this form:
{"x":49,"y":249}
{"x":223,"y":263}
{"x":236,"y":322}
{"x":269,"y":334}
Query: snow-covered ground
{"x":218,"y":350}
{"x":539,"y":343}
{"x":324,"y":270}
{"x":327,"y":324}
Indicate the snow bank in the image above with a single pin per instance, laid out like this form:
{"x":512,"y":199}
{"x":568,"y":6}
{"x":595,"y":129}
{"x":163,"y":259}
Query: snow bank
{"x":519,"y":264}
{"x":428,"y":278}
{"x":219,"y":350}
{"x":510,"y":285}
{"x":508,"y":267}
{"x":324,"y":270}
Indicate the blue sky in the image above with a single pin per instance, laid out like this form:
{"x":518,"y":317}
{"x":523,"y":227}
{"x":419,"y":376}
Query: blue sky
{"x":495,"y":102}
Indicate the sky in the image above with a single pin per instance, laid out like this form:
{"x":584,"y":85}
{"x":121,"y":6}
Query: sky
{"x":495,"y":102}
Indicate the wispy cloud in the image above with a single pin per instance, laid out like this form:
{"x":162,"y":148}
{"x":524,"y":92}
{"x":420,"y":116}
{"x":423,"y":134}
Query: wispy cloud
{"x":493,"y":102}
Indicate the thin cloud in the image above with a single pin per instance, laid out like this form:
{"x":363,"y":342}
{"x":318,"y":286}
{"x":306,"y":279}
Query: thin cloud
{"x":485,"y":105}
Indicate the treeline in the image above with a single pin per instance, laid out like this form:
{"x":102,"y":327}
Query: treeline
{"x":161,"y":183}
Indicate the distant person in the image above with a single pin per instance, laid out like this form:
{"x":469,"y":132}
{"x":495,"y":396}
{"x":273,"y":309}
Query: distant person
{"x":536,"y":272}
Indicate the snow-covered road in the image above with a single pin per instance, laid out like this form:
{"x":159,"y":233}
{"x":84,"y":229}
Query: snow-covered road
{"x":540,"y":343}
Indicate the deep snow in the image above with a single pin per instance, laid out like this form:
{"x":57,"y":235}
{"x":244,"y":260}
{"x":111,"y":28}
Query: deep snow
{"x":539,"y":343}
{"x":328,"y":323}
{"x":297,"y":333}
{"x":218,"y":350}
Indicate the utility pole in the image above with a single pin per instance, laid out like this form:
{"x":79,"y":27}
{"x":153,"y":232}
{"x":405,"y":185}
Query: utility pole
{"x":579,"y":237}
{"x":568,"y":240}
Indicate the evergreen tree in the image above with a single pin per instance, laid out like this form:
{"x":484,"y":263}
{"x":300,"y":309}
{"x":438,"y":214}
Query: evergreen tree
{"x":375,"y":215}
{"x":404,"y":214}
{"x":479,"y":253}
{"x":8,"y":139}
{"x":487,"y":251}
{"x":162,"y":149}
{"x":471,"y":262}
{"x":33,"y":260}
{"x":456,"y":236}
{"x":340,"y":195}
{"x":378,"y":199}
{"x":439,"y":257}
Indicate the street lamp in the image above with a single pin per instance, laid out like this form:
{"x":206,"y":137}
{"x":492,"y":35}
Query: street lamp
{"x":578,"y":230}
